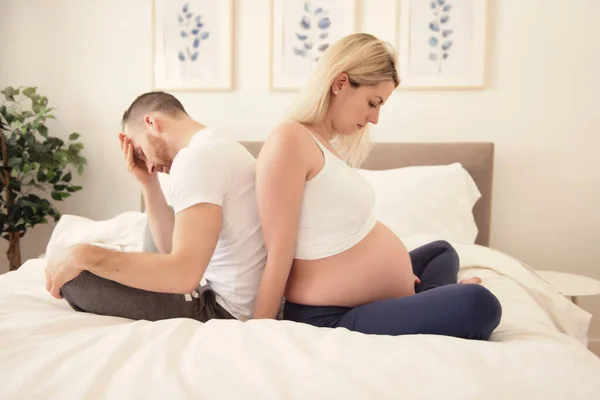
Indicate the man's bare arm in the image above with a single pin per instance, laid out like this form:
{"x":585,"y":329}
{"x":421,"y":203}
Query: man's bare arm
{"x":161,"y":218}
{"x":195,"y":237}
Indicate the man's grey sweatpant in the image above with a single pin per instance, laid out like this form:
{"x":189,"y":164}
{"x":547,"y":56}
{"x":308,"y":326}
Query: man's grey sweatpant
{"x":93,"y":294}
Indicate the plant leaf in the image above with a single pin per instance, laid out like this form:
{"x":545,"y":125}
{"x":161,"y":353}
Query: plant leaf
{"x":28,"y":92}
{"x":56,"y":196}
{"x":74,"y":136}
{"x":446,"y":45}
{"x":9,"y":92}
{"x":74,"y":188}
{"x":15,"y":162}
{"x":43,"y":130}
{"x":300,"y":52}
{"x":324,"y":23}
{"x":305,"y":22}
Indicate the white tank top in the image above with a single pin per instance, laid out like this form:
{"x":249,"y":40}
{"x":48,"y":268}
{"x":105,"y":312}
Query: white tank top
{"x":337,"y":209}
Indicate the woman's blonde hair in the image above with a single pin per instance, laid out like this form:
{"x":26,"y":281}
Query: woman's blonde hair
{"x":367,"y":61}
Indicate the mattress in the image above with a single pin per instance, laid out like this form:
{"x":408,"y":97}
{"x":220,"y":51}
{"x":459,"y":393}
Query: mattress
{"x":49,"y":351}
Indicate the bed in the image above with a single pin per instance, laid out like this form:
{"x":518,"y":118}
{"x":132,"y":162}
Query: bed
{"x":537,"y":352}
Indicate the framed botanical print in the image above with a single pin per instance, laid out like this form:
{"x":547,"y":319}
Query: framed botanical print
{"x":301,"y":30}
{"x":192,"y":45}
{"x":442,"y":43}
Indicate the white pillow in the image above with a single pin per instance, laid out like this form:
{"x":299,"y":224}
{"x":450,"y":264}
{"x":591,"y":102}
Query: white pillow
{"x":434,"y":201}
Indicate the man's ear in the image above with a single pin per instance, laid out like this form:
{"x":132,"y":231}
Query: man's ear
{"x":151,"y":124}
{"x":340,"y":82}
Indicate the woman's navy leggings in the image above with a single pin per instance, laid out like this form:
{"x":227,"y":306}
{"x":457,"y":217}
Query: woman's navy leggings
{"x":439,"y":306}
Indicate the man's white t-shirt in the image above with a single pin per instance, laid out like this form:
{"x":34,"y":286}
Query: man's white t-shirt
{"x":216,"y":169}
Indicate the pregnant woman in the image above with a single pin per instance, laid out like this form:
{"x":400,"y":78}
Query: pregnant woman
{"x":335,"y":264}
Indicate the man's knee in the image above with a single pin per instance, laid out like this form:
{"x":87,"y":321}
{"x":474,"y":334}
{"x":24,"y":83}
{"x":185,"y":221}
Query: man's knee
{"x":79,"y":292}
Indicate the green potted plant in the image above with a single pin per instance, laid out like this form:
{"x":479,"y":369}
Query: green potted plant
{"x":34,"y":166}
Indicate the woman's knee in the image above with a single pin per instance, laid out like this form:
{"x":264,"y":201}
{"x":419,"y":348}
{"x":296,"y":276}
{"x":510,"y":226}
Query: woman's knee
{"x":447,"y":248}
{"x":485,"y":311}
{"x":443,"y":246}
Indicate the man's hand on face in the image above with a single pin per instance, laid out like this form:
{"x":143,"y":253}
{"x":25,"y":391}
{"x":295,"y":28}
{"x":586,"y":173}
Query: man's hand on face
{"x":134,"y":165}
{"x":63,"y":267}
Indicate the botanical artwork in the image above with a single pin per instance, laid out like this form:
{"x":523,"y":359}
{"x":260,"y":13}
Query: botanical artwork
{"x":442,"y":43}
{"x":302,"y":31}
{"x":192,"y":34}
{"x":312,"y":32}
{"x":193,"y":44}
{"x":440,"y":39}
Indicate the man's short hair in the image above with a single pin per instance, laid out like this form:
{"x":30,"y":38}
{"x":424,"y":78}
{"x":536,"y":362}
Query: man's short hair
{"x":152,"y":102}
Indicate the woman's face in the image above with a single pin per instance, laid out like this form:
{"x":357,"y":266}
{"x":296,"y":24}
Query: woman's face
{"x":351,"y":109}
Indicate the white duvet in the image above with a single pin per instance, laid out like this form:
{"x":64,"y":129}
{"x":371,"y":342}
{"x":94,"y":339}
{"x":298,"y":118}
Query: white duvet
{"x":49,"y":351}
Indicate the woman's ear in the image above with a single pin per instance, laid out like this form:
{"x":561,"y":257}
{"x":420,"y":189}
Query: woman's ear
{"x":339,"y":83}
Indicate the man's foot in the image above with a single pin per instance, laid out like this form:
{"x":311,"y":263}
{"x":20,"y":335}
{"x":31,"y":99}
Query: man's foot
{"x":474,"y":280}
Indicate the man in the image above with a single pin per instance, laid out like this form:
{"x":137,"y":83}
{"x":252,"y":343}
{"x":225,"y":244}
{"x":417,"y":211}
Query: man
{"x":211,"y":231}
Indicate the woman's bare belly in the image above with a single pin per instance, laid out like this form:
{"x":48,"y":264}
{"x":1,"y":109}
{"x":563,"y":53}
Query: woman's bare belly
{"x":376,"y":268}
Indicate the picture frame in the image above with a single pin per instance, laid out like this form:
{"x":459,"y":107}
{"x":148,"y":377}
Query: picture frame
{"x":192,"y":45}
{"x":300,"y":31}
{"x":441,"y":44}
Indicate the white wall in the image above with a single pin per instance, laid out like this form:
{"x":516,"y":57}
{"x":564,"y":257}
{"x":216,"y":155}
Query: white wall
{"x":91,"y":58}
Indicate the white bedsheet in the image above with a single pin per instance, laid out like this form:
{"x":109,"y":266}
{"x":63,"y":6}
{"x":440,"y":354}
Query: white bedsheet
{"x":538,"y":351}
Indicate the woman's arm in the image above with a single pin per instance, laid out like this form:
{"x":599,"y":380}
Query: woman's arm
{"x":281,"y":175}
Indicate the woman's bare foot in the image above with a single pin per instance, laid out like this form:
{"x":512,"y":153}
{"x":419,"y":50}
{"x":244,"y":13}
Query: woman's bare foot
{"x":474,"y":280}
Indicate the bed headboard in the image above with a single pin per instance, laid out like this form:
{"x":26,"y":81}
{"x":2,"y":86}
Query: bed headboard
{"x":477,"y":158}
